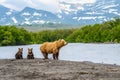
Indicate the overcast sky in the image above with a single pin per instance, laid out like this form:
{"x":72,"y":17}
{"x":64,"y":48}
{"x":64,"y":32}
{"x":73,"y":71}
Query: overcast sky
{"x":49,"y":5}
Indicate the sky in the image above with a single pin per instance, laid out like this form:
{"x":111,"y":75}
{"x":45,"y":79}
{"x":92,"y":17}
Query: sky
{"x":48,"y":5}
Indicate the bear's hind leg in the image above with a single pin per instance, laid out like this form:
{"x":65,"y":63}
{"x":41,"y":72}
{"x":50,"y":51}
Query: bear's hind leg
{"x":54,"y":56}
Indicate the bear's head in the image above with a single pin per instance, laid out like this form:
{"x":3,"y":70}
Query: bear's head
{"x":61,"y":42}
{"x":20,"y":50}
{"x":30,"y":50}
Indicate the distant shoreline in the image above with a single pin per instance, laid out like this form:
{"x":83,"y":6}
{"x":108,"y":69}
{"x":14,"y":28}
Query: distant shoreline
{"x":68,"y":43}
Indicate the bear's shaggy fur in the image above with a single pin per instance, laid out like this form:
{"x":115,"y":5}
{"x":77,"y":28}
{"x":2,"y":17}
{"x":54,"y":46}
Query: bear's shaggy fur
{"x":18,"y":55}
{"x":30,"y":54}
{"x":52,"y":48}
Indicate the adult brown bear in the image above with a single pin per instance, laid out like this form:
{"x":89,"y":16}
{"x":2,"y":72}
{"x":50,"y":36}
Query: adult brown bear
{"x":52,"y":48}
{"x":18,"y":55}
{"x":30,"y":54}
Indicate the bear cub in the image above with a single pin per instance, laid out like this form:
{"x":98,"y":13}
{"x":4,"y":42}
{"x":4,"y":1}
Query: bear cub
{"x":30,"y":54}
{"x":18,"y":55}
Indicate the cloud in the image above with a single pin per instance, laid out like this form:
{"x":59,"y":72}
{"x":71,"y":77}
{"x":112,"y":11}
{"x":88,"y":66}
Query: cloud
{"x":1,"y":1}
{"x":79,"y":1}
{"x":49,"y":5}
{"x":14,"y":4}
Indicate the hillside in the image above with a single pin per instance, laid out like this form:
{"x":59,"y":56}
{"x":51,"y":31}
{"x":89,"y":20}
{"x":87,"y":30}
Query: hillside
{"x":98,"y":33}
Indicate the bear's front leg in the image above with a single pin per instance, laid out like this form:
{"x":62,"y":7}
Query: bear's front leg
{"x":45,"y":55}
{"x":57,"y":55}
{"x":32,"y":56}
{"x":21,"y":57}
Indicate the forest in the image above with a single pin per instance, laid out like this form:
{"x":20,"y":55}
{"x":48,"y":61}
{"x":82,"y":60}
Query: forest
{"x":106,"y":32}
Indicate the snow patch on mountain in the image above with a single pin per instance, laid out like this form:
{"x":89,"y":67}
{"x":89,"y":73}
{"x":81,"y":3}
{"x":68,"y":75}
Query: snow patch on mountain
{"x":89,"y":18}
{"x":8,"y":13}
{"x":14,"y":20}
{"x":37,"y":14}
{"x":74,"y":18}
{"x":38,"y":21}
{"x":27,"y":19}
{"x":26,"y":22}
{"x":59,"y":16}
{"x":110,"y":6}
{"x":26,"y":14}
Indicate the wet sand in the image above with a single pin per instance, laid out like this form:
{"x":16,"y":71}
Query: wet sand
{"x":38,"y":69}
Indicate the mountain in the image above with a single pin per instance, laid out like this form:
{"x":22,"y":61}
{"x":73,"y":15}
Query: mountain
{"x":27,"y":16}
{"x":100,"y":11}
{"x":32,"y":16}
{"x":5,"y":15}
{"x":69,"y":13}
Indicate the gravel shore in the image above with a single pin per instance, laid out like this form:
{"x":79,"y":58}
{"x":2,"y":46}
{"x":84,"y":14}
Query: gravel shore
{"x":38,"y":69}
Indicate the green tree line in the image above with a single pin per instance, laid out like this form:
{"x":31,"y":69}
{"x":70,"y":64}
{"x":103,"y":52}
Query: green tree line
{"x":106,"y":32}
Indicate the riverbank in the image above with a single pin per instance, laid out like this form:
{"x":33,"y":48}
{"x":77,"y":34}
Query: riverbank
{"x":38,"y":69}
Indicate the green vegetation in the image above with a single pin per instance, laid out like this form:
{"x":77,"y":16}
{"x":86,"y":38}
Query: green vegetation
{"x":10,"y":35}
{"x":105,"y":32}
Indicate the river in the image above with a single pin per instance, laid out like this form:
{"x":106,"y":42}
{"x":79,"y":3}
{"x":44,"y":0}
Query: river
{"x":98,"y":53}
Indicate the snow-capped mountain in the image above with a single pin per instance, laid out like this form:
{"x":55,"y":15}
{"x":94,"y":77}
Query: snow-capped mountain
{"x":26,"y":16}
{"x":100,"y":11}
{"x":69,"y":13}
{"x":32,"y":16}
{"x":6,"y":15}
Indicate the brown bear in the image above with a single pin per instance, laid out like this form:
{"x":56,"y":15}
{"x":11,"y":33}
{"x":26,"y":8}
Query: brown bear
{"x":52,"y":48}
{"x":19,"y":54}
{"x":30,"y":54}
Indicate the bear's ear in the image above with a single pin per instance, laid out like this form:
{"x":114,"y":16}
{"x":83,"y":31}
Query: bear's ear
{"x":63,"y":40}
{"x":59,"y":40}
{"x":21,"y":48}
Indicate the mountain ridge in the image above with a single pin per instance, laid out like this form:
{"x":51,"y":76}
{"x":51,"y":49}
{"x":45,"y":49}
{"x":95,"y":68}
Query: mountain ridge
{"x":69,"y":13}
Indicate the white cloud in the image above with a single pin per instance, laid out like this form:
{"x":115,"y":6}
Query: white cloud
{"x":49,"y":5}
{"x":79,"y":1}
{"x":1,"y":1}
{"x":15,"y":4}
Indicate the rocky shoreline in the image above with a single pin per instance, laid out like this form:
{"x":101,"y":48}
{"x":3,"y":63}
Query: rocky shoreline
{"x":38,"y":69}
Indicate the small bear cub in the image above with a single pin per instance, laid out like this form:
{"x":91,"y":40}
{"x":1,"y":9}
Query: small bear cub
{"x":18,"y":55}
{"x":30,"y":54}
